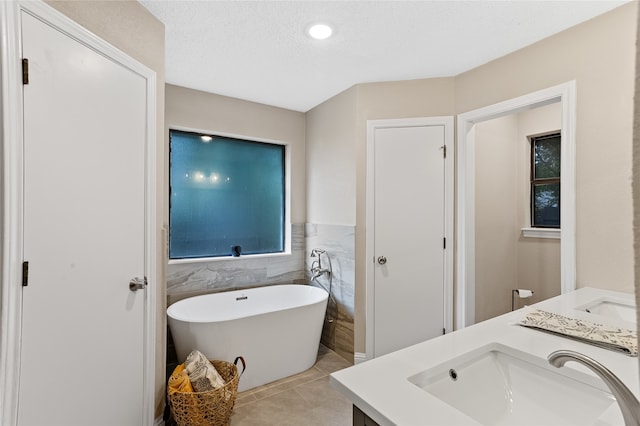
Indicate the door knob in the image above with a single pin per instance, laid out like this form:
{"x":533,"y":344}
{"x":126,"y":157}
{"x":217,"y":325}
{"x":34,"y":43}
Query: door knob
{"x":138,"y":284}
{"x":382,"y":260}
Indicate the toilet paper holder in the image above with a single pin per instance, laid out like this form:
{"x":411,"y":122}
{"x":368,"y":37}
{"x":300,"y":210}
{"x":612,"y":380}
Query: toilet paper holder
{"x":521,"y":293}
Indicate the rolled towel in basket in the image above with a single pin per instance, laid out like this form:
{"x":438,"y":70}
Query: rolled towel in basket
{"x":179,"y":381}
{"x":203,"y":375}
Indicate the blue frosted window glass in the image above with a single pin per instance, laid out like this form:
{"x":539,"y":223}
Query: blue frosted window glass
{"x":225,"y":192}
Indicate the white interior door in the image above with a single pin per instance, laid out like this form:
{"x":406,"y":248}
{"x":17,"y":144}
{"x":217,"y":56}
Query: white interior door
{"x":409,"y":230}
{"x":84,"y":235}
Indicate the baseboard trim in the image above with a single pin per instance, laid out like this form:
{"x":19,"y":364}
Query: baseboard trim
{"x":359,"y":357}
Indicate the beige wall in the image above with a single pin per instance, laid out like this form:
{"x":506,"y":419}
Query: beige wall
{"x":188,"y":109}
{"x":336,"y":144}
{"x":402,"y":99}
{"x":636,"y":172}
{"x":131,"y":28}
{"x":603,"y":69}
{"x":505,"y":260}
{"x":496,"y":211}
{"x":538,"y":258}
{"x":330,"y":159}
{"x":599,"y":55}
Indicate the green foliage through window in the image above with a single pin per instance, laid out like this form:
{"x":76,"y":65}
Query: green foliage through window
{"x":545,"y":181}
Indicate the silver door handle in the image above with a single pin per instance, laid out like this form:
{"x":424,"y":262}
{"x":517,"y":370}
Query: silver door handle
{"x":382,"y":260}
{"x":138,"y":284}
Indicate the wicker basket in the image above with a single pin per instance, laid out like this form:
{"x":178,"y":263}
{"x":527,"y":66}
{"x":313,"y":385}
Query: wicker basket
{"x":211,"y":408}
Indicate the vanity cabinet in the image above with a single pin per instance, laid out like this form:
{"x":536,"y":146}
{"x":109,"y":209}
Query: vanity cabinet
{"x":361,"y":419}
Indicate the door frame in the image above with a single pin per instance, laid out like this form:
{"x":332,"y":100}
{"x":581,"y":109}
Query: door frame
{"x":564,"y":93}
{"x":12,"y":197}
{"x":372,"y":126}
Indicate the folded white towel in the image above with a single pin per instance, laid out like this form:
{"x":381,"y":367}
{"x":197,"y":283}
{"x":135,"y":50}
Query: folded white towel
{"x":602,"y":335}
{"x":202,"y":374}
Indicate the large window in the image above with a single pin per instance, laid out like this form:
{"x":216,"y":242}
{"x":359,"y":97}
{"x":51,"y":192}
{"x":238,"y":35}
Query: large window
{"x":227,"y":196}
{"x":545,"y":181}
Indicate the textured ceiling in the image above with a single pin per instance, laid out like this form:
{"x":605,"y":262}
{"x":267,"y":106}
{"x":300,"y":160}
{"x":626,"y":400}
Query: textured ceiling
{"x":258,"y":50}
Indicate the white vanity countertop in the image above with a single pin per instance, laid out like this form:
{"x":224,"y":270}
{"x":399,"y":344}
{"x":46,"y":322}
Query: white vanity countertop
{"x":380,"y":387}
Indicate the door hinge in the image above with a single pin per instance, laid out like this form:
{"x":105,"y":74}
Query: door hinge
{"x":444,"y":243}
{"x":25,"y":71}
{"x":444,"y":151}
{"x":25,"y":274}
{"x":444,"y":331}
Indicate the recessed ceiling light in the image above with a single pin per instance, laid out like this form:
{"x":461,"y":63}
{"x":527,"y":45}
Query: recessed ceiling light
{"x":206,"y":138}
{"x":320,"y":31}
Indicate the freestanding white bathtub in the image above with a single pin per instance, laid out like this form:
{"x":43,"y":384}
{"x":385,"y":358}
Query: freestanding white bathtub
{"x":275,"y":328}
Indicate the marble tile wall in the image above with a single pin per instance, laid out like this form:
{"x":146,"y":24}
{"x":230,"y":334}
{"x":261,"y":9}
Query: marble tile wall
{"x":189,"y":279}
{"x":339,"y":243}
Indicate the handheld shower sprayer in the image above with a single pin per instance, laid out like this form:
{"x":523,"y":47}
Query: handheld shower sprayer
{"x":316,"y":251}
{"x":317,"y":271}
{"x":316,"y":266}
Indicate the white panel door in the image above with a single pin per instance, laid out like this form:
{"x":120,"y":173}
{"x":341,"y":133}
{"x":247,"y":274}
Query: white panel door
{"x":409,"y":231}
{"x":84,"y":235}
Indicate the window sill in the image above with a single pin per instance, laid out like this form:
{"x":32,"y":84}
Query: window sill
{"x":226,"y":258}
{"x":552,"y":233}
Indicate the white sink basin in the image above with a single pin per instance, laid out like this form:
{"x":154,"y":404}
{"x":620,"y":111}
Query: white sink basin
{"x":498,"y":385}
{"x":612,"y":307}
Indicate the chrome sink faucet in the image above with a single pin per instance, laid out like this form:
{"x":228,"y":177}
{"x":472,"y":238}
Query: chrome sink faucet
{"x":627,"y":401}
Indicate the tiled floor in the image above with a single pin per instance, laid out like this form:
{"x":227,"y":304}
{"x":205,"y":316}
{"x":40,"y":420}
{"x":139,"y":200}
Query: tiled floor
{"x":304,"y":399}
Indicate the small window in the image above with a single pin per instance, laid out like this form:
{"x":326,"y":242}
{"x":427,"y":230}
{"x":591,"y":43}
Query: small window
{"x":545,"y":181}
{"x":227,"y":196}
